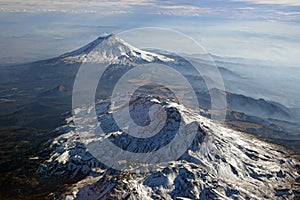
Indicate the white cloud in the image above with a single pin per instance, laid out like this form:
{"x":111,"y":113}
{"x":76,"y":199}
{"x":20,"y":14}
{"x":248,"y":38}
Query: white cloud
{"x":288,"y":13}
{"x":106,"y":7}
{"x":185,"y":10}
{"x":70,"y":5}
{"x":274,"y":2}
{"x":248,"y":9}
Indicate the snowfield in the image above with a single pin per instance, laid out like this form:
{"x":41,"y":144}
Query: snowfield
{"x":220,"y":163}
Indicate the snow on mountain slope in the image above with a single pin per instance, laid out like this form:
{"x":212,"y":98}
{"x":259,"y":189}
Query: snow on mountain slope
{"x":110,"y":48}
{"x":220,"y":164}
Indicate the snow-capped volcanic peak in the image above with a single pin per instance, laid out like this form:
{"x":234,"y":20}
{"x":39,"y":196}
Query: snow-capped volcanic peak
{"x":220,"y":163}
{"x":110,"y":48}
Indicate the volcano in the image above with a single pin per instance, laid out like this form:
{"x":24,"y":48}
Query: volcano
{"x":219,"y":164}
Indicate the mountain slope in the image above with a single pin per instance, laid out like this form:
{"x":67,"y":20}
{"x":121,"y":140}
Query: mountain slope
{"x":39,"y":95}
{"x":108,"y":49}
{"x":220,"y":164}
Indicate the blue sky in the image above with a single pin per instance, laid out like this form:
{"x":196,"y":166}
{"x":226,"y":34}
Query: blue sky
{"x":257,"y":29}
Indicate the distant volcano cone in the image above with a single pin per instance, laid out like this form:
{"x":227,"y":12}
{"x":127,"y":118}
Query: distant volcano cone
{"x":107,"y":49}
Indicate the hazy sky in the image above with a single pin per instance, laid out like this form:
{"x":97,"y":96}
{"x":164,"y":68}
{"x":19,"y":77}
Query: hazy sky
{"x":260,"y":29}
